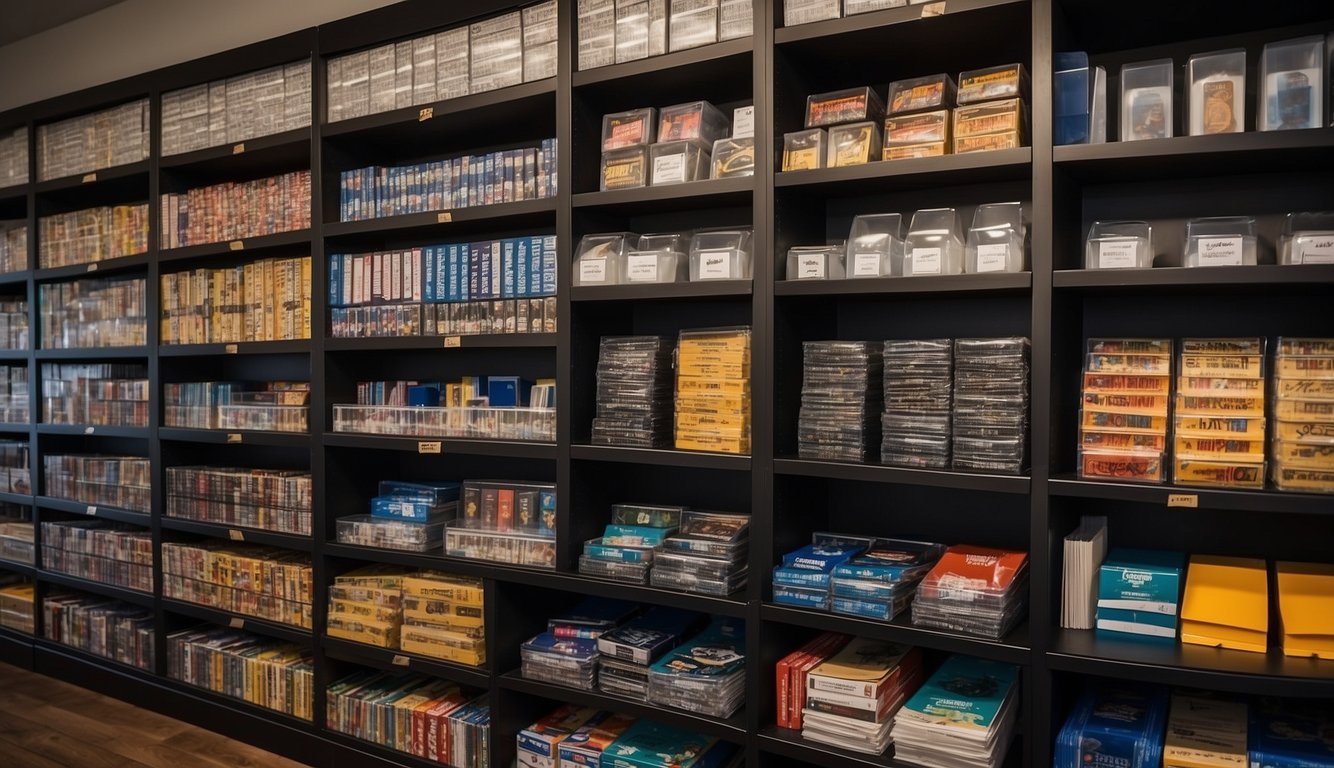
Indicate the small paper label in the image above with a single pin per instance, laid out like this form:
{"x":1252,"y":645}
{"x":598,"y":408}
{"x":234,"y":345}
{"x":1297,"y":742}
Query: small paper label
{"x":235,"y":535}
{"x":91,"y":510}
{"x":428,"y":446}
{"x":1190,"y":500}
{"x":88,"y":430}
{"x":426,"y":113}
{"x":452,"y":342}
{"x":88,"y":178}
{"x":866,"y":265}
{"x":92,"y":267}
{"x":743,"y":122}
{"x":236,"y":245}
{"x":400,"y":660}
{"x":810,"y":266}
{"x":444,"y":217}
{"x":233,"y":437}
{"x":1117,"y":255}
{"x":642,"y":268}
{"x":593,"y":270}
{"x":231,"y":349}
{"x":992,"y":258}
{"x":926,"y":261}
{"x":1219,"y":251}
{"x":669,"y":169}
{"x":715,"y":265}
{"x":1318,"y":252}
{"x":933,"y":9}
{"x":236,"y":623}
{"x":238,"y":149}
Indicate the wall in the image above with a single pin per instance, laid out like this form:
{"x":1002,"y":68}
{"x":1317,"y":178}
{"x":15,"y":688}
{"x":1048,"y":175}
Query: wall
{"x":137,"y":36}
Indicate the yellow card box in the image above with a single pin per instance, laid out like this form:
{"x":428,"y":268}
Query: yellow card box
{"x":424,"y":609}
{"x":1220,"y":426}
{"x":1205,"y":732}
{"x":458,"y":656}
{"x":384,"y":597}
{"x":1305,"y":432}
{"x":1240,"y":346}
{"x":1226,"y":603}
{"x":1232,"y":366}
{"x":1157,"y":347}
{"x":383,"y":637}
{"x":1304,"y":455}
{"x":689,"y":385}
{"x":1306,"y":605}
{"x":445,"y":624}
{"x":1129,"y":363}
{"x":992,"y":117}
{"x":736,"y":370}
{"x":443,"y":638}
{"x":711,"y":353}
{"x":1306,"y":367}
{"x":701,"y":442}
{"x":1219,"y":448}
{"x":990,"y":142}
{"x":1303,"y":480}
{"x":370,"y":611}
{"x":1219,"y":474}
{"x":1290,"y":345}
{"x":910,"y":151}
{"x":1126,"y":383}
{"x":736,"y":420}
{"x":1304,"y":410}
{"x":1312,"y":389}
{"x":462,"y":591}
{"x":1211,"y":405}
{"x":1220,"y":387}
{"x":1104,"y":421}
{"x":1121,"y":465}
{"x":1123,"y":441}
{"x":1126,"y":403}
{"x":693,"y":363}
{"x":920,"y":128}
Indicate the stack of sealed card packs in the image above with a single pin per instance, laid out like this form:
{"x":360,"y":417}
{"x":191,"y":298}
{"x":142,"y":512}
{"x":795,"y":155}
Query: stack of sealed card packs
{"x":990,"y":405}
{"x":803,"y":577}
{"x":628,"y":545}
{"x":405,"y":516}
{"x":918,"y":401}
{"x":977,"y":590}
{"x":1115,"y":724}
{"x":851,"y":699}
{"x":840,"y":395}
{"x":629,"y":650}
{"x":634,"y":392}
{"x":880,"y":582}
{"x":707,"y":555}
{"x":567,"y":653}
{"x":962,"y":717}
{"x":706,"y":673}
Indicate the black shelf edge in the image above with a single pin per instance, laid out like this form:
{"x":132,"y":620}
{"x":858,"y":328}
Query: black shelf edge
{"x":705,"y":193}
{"x":1195,"y":279}
{"x":239,"y":246}
{"x":368,"y":754}
{"x":134,"y":596}
{"x":92,"y":353}
{"x":885,"y":18}
{"x":665,"y":457}
{"x":43,"y":647}
{"x":14,"y":192}
{"x":441,"y":221}
{"x":92,"y":268}
{"x":292,"y":541}
{"x":92,"y":430}
{"x":248,"y":147}
{"x":94,"y":510}
{"x":285,"y":347}
{"x":1014,"y":649}
{"x":15,"y":427}
{"x":516,"y":449}
{"x":788,"y":743}
{"x":1000,"y":282}
{"x":246,"y":707}
{"x":1208,"y":498}
{"x":463,"y":567}
{"x":734,"y":606}
{"x":1228,"y":153}
{"x":875,"y":473}
{"x":394,"y":660}
{"x":732,"y":728}
{"x":464,"y":341}
{"x":886,"y":175}
{"x":613,"y":72}
{"x":24,"y":499}
{"x":90,"y":178}
{"x":22,"y":569}
{"x":16,"y":648}
{"x":14,"y":278}
{"x":292,"y":634}
{"x":235,"y":437}
{"x":663,"y":291}
{"x":470,"y":103}
{"x":12,"y":355}
{"x":1196,"y":666}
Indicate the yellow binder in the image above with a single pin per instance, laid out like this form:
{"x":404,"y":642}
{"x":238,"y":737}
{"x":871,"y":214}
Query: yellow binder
{"x":1306,"y":605}
{"x":1226,"y":603}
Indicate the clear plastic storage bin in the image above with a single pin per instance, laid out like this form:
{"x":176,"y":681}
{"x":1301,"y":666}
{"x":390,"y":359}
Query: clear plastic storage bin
{"x":720,"y":255}
{"x":918,"y":94}
{"x":733,"y":157}
{"x":816,"y":262}
{"x":658,"y":259}
{"x":624,"y":168}
{"x":924,"y":134}
{"x":1217,"y":92}
{"x":633,"y":128}
{"x":1308,"y":238}
{"x":855,"y":144}
{"x":600,"y":259}
{"x":996,"y":239}
{"x":1292,"y":84}
{"x":804,"y":150}
{"x":1146,"y":100}
{"x":1119,"y":245}
{"x":1220,"y":241}
{"x":935,"y":243}
{"x":1007,"y":81}
{"x":697,"y":120}
{"x":875,"y":245}
{"x":676,"y":162}
{"x":850,"y":105}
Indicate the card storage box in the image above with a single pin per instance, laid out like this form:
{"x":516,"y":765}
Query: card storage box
{"x":920,"y":94}
{"x":996,"y":239}
{"x":805,"y":150}
{"x":732,"y":157}
{"x":1293,"y":84}
{"x":875,"y":245}
{"x":692,"y":23}
{"x":697,"y":120}
{"x":658,"y":266}
{"x":734,"y":19}
{"x":807,"y":11}
{"x":817,"y":262}
{"x":624,"y":168}
{"x":1008,"y":81}
{"x":1220,"y":241}
{"x":923,"y":134}
{"x":597,"y":33}
{"x":990,"y":125}
{"x":851,"y":105}
{"x":539,"y":43}
{"x":720,"y":255}
{"x":1308,"y":238}
{"x":496,"y":53}
{"x":676,"y":162}
{"x":1146,"y":100}
{"x":370,"y":531}
{"x":1079,"y":100}
{"x":854,"y":7}
{"x":632,"y":128}
{"x":1119,"y":245}
{"x":600,"y":259}
{"x":854,"y":144}
{"x":935,"y":244}
{"x":634,"y":27}
{"x":1217,"y":100}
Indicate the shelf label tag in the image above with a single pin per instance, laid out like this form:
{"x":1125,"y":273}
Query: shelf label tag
{"x":400,"y":660}
{"x":992,"y":257}
{"x":425,"y":114}
{"x":1189,"y":500}
{"x":233,"y":437}
{"x":238,"y":149}
{"x":428,"y":446}
{"x":235,"y":245}
{"x":88,"y":430}
{"x":444,"y":217}
{"x":236,"y":535}
{"x":866,"y":264}
{"x":89,"y":178}
{"x":452,"y":342}
{"x":933,"y":9}
{"x":231,"y":349}
{"x":91,"y":510}
{"x":92,"y":267}
{"x":236,"y":623}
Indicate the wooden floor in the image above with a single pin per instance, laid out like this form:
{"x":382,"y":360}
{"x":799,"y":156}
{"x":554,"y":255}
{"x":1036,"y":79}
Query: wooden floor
{"x":45,"y":723}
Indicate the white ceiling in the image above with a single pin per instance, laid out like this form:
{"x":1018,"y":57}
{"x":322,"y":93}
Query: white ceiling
{"x":24,"y":18}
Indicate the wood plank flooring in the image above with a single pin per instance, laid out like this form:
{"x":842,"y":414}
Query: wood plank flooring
{"x":46,"y":723}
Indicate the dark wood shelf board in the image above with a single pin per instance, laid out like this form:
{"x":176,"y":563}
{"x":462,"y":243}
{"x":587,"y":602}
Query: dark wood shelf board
{"x":13,"y":566}
{"x":1226,"y":154}
{"x":516,"y":449}
{"x":8,"y":497}
{"x":1177,"y":280}
{"x":1207,"y":498}
{"x":240,"y":248}
{"x":877,"y":20}
{"x":525,"y":214}
{"x":292,"y":541}
{"x":899,"y":175}
{"x":788,"y":743}
{"x":734,"y":605}
{"x":665,"y":457}
{"x":692,"y":195}
{"x":285,"y":347}
{"x":1000,"y":282}
{"x":393,"y":660}
{"x":92,"y":430}
{"x":291,"y":634}
{"x":13,"y":192}
{"x":512,"y":101}
{"x":668,"y":65}
{"x":135,"y":597}
{"x":93,"y":268}
{"x":875,"y":473}
{"x":99,"y":178}
{"x":92,"y":353}
{"x":465,"y":341}
{"x":240,"y":156}
{"x":14,"y":278}
{"x":432,"y":561}
{"x":740,"y":289}
{"x":236,"y":437}
{"x":94,"y":510}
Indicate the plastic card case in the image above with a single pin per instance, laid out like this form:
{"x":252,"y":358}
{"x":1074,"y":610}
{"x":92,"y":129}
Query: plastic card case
{"x":1308,"y":238}
{"x":734,"y":19}
{"x":990,"y":125}
{"x":495,"y":53}
{"x":923,"y":134}
{"x":659,"y":259}
{"x":500,"y":547}
{"x":934,"y":245}
{"x":624,"y":168}
{"x":634,"y":128}
{"x":854,"y":144}
{"x":16,"y":541}
{"x":1217,"y":97}
{"x":1146,"y":100}
{"x":1123,"y":417}
{"x":600,"y":259}
{"x":1220,"y":241}
{"x":1008,"y":81}
{"x":535,"y":424}
{"x":817,"y":262}
{"x":369,"y":531}
{"x":676,"y":162}
{"x":720,"y":255}
{"x":539,"y":46}
{"x":802,"y":597}
{"x":806,"y":11}
{"x":597,"y":33}
{"x":633,"y":573}
{"x":1292,"y":84}
{"x":692,"y":23}
{"x":1079,"y":100}
{"x":851,"y":105}
{"x":996,"y":239}
{"x":875,"y":245}
{"x":1119,"y":245}
{"x":1302,"y":439}
{"x":264,"y":418}
{"x":804,"y":150}
{"x":698,"y":120}
{"x":921,"y":94}
{"x":1220,"y":387}
{"x":733,"y":157}
{"x":641,"y":29}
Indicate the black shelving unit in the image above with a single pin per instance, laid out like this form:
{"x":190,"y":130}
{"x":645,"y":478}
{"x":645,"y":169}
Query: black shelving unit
{"x":1055,"y":303}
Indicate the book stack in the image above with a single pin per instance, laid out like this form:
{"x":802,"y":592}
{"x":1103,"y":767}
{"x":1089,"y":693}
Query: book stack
{"x":1085,"y":549}
{"x":567,"y":653}
{"x":990,"y":426}
{"x":978,"y":590}
{"x":628,"y":651}
{"x":919,"y":400}
{"x":840,"y":394}
{"x":1303,"y":434}
{"x":707,"y":555}
{"x":1205,"y":730}
{"x":16,"y":605}
{"x":264,"y":672}
{"x":705,"y":674}
{"x":634,"y":392}
{"x":962,"y":717}
{"x":880,"y":582}
{"x":626,"y":549}
{"x":851,"y":699}
{"x":1139,"y":593}
{"x":792,"y":671}
{"x":1115,"y":724}
{"x":422,"y":716}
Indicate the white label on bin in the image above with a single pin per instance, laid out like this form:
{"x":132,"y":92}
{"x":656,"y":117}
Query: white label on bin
{"x":593,"y":270}
{"x":1319,"y":252}
{"x":641,"y":268}
{"x":715,"y":265}
{"x":743,"y":122}
{"x":810,"y":266}
{"x":669,"y":169}
{"x":992,"y":258}
{"x":926,"y":261}
{"x":1117,"y":255}
{"x":866,"y":265}
{"x":1220,"y":251}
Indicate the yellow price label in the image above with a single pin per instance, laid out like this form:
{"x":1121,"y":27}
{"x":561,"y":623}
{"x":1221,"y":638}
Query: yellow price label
{"x":428,"y":446}
{"x":452,"y":342}
{"x":88,"y":178}
{"x":400,"y":660}
{"x":231,"y":349}
{"x":933,"y":9}
{"x":238,"y":149}
{"x":236,"y":623}
{"x":92,"y":267}
{"x":444,"y":217}
{"x":236,"y":535}
{"x":236,"y":245}
{"x":425,"y":114}
{"x":233,"y":437}
{"x":1188,"y":500}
